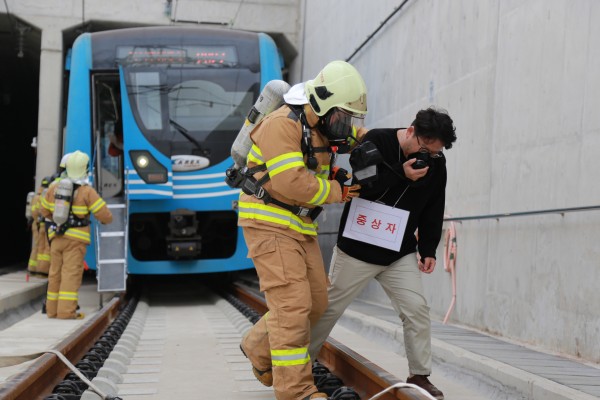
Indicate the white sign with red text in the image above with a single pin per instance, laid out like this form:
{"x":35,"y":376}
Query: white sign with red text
{"x":376,"y":224}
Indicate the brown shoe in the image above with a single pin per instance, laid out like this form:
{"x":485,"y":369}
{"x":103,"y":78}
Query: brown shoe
{"x":423,"y":382}
{"x":264,"y":377}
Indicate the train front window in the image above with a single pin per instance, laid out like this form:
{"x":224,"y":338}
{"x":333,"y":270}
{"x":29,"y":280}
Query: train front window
{"x":192,"y":111}
{"x":148,"y":99}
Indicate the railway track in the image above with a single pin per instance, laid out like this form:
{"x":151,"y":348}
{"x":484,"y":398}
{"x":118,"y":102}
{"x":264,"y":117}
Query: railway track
{"x":366,"y":378}
{"x":49,"y":376}
{"x":82,"y":348}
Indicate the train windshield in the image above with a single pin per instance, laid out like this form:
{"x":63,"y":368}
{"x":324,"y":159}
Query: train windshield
{"x":185,"y":110}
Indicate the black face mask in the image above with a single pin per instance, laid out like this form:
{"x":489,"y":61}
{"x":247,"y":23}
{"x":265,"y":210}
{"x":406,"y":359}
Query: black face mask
{"x":336,"y":126}
{"x":423,"y":160}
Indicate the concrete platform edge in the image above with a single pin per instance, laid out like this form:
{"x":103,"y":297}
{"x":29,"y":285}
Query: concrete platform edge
{"x":12,"y":301}
{"x":530,"y":385}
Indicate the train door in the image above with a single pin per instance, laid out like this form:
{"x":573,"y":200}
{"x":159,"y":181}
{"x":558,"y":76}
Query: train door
{"x":108,"y":135}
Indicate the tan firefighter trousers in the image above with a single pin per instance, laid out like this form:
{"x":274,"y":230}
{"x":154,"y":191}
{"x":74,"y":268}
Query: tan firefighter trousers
{"x":292,"y":275}
{"x":64,"y":279}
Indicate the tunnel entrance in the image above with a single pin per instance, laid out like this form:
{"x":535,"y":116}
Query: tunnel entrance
{"x":20,"y":45}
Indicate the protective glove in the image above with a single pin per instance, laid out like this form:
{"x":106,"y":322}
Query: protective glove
{"x":340,"y":175}
{"x":350,"y":192}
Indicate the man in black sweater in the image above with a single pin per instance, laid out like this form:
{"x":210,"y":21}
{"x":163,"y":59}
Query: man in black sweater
{"x":409,"y":189}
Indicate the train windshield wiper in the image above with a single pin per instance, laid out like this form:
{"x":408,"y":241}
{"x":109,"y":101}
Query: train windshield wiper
{"x":198,"y":150}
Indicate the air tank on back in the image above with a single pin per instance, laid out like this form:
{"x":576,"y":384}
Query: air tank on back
{"x":62,"y":201}
{"x":270,"y":99}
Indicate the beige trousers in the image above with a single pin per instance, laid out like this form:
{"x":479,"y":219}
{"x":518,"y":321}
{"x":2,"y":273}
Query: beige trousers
{"x":402,"y":283}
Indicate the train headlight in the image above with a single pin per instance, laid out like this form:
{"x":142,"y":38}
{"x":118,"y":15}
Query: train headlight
{"x":148,"y":167}
{"x":142,"y":161}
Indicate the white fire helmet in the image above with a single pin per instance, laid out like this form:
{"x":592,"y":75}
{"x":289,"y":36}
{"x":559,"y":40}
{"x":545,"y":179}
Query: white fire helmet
{"x":77,"y":165}
{"x":340,"y":85}
{"x":63,"y":160}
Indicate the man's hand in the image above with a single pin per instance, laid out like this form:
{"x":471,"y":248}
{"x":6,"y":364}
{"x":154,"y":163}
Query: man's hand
{"x":350,"y":192}
{"x":411,"y":173}
{"x":427,"y":265}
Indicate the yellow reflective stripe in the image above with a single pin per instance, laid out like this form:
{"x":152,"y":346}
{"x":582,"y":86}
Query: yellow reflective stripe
{"x":67,"y":296}
{"x":255,"y":155}
{"x":47,"y":205}
{"x":79,"y":210}
{"x":263,"y":212}
{"x":322,"y":193}
{"x":51,"y":234}
{"x":52,"y":296}
{"x":43,"y":257}
{"x":354,"y":134}
{"x":77,"y":234}
{"x":324,"y":173}
{"x":284,"y":162}
{"x":32,"y":262}
{"x":283,"y":358}
{"x":98,"y":204}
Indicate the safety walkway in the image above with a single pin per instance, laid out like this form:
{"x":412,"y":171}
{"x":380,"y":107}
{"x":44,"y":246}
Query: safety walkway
{"x":24,"y":330}
{"x":464,"y":354}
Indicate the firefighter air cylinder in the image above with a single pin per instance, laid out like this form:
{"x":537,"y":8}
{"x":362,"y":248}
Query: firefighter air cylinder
{"x":270,"y":99}
{"x":28,"y":205}
{"x":62,"y":201}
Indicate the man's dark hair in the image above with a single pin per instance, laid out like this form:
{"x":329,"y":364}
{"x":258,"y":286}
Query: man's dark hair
{"x":434,"y":124}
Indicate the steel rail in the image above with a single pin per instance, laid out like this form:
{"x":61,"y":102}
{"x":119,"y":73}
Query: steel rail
{"x":365,"y":377}
{"x":47,"y":370}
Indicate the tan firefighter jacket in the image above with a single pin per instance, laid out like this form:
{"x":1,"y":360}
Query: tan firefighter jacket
{"x":86,"y":201}
{"x":277,"y":142}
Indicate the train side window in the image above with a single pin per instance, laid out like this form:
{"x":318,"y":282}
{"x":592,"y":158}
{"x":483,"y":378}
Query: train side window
{"x":109,"y":135}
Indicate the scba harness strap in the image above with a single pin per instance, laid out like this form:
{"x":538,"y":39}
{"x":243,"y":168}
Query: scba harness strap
{"x":253,"y":187}
{"x":245,"y":180}
{"x":72,"y":222}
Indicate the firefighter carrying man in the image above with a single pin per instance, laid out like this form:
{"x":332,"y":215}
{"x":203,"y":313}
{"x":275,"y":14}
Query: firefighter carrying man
{"x":70,"y":203}
{"x":291,"y":167}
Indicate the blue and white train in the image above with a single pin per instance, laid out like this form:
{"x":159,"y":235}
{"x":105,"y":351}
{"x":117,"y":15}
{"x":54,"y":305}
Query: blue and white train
{"x":157,"y":109}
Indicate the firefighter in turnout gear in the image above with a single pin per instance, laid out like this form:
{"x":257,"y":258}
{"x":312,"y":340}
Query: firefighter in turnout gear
{"x":43,"y":253}
{"x":292,"y":176}
{"x":34,"y":226}
{"x":39,"y":259}
{"x":70,"y":237}
{"x":43,"y":244}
